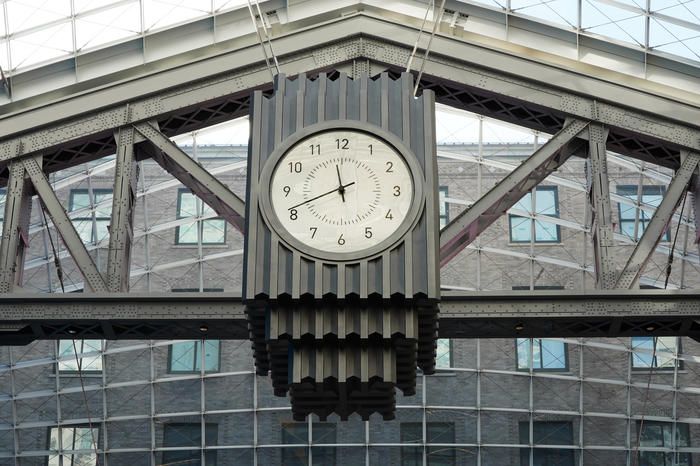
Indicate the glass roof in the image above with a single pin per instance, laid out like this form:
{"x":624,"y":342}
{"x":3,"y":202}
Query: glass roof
{"x":669,"y":26}
{"x":38,"y":31}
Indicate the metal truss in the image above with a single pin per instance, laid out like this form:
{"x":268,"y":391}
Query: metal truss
{"x":474,"y":315}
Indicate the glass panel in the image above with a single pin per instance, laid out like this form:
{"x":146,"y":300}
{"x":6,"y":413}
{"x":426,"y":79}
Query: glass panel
{"x":211,"y":356}
{"x":295,"y":433}
{"x":525,"y":203}
{"x":642,"y":358}
{"x":519,"y":229}
{"x":546,"y":354}
{"x":66,"y":349}
{"x":213,"y":231}
{"x":187,"y":234}
{"x":546,"y":232}
{"x":553,"y":354}
{"x":658,"y":352}
{"x":444,"y":356}
{"x":182,"y":356}
{"x":523,"y":352}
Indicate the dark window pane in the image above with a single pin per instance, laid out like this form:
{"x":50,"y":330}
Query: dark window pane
{"x":189,"y":435}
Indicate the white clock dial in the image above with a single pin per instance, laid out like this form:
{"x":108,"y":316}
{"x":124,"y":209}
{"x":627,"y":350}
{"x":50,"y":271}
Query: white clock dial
{"x":341,"y":191}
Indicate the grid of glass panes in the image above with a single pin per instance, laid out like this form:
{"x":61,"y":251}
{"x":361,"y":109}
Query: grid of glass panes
{"x":541,"y":354}
{"x":89,"y":231}
{"x":652,"y":195}
{"x":655,"y":434}
{"x":546,"y":203}
{"x":212,"y":230}
{"x":654,"y":352}
{"x":186,"y":356}
{"x":68,"y":349}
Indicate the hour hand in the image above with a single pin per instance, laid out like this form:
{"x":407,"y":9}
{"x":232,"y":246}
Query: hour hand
{"x":341,"y":188}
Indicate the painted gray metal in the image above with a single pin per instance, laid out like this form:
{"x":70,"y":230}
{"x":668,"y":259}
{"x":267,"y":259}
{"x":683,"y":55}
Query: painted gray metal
{"x":654,"y":231}
{"x":64,"y":226}
{"x":191,"y":174}
{"x":464,"y":229}
{"x":15,"y":228}
{"x":471,"y":71}
{"x":277,"y":265}
{"x":602,"y":313}
{"x":599,"y":186}
{"x":121,"y":228}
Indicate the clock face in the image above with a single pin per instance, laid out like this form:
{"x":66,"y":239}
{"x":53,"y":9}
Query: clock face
{"x":341,"y":191}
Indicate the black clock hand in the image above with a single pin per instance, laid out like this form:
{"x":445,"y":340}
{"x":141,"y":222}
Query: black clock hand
{"x":341,"y":189}
{"x":322,"y":195}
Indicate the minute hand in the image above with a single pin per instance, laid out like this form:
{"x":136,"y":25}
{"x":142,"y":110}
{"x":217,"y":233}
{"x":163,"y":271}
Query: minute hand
{"x":321,"y":195}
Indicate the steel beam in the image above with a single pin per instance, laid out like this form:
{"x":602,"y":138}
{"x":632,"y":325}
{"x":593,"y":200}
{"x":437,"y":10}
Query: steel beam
{"x":64,"y":226}
{"x":487,"y":209}
{"x":195,"y":177}
{"x":15,"y":228}
{"x":599,"y":193}
{"x":121,"y":228}
{"x":659,"y":222}
{"x":613,"y":313}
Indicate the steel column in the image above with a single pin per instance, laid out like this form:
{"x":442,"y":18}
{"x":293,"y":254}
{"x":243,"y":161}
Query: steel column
{"x":470,"y":223}
{"x":15,"y":228}
{"x":121,"y":228}
{"x":63,"y":225}
{"x":599,"y":187}
{"x":653,"y":232}
{"x":190,"y":173}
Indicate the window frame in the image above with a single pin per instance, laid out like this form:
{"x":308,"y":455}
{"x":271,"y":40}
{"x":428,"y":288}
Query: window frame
{"x":443,"y":189}
{"x":655,"y":367}
{"x":95,"y":192}
{"x":541,"y":369}
{"x":634,"y":191}
{"x":200,"y":231}
{"x":451,"y":457}
{"x":199,"y":344}
{"x":287,"y":451}
{"x":542,"y":451}
{"x":663,"y":425}
{"x":198,"y":425}
{"x":60,"y":371}
{"x":511,"y":217}
{"x":71,"y":461}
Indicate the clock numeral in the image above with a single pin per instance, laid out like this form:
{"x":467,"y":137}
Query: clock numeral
{"x":342,"y":144}
{"x":389,"y":167}
{"x":397,"y":191}
{"x":368,"y":232}
{"x":286,"y":190}
{"x":370,"y":149}
{"x":389,"y":215}
{"x":293,"y":214}
{"x":313,"y":231}
{"x":341,"y":240}
{"x":315,"y":149}
{"x":295,"y":167}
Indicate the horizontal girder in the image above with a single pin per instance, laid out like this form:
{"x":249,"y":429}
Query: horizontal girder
{"x":127,"y":316}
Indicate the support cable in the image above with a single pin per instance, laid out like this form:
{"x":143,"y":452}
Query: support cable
{"x":260,"y":39}
{"x":79,"y":361}
{"x":437,"y":21}
{"x":420,"y":33}
{"x":669,"y":263}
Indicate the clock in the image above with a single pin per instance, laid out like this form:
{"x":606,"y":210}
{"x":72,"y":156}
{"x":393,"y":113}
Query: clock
{"x":341,"y":190}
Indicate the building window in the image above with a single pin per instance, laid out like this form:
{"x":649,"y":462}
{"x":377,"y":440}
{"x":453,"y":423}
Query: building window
{"x":546,"y":203}
{"x":443,"y":356}
{"x":186,"y":356}
{"x":73,"y":446}
{"x":89,"y":232}
{"x":436,"y":432}
{"x":651,"y":196}
{"x":547,"y":433}
{"x":3,"y":198}
{"x":542,"y":354}
{"x":189,"y":435}
{"x":68,"y":362}
{"x":212,"y":231}
{"x":654,"y":352}
{"x":444,"y":207}
{"x":660,"y":435}
{"x":297,"y":433}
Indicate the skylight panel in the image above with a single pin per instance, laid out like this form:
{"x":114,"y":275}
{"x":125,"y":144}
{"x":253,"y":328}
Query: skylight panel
{"x":28,"y":14}
{"x":162,"y":13}
{"x":45,"y":44}
{"x":108,"y":25}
